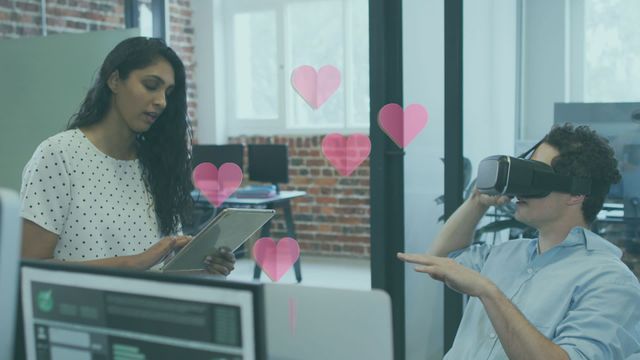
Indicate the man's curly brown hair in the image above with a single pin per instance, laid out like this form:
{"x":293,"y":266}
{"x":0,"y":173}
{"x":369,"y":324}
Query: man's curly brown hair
{"x":584,"y":153}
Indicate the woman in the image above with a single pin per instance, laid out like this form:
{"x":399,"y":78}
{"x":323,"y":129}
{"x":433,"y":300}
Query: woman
{"x":114,"y":188}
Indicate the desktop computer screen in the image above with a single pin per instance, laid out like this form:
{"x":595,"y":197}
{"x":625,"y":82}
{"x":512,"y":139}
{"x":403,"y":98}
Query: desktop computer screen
{"x":10,"y":239}
{"x":218,"y":154}
{"x":78,"y":313}
{"x":269,"y":163}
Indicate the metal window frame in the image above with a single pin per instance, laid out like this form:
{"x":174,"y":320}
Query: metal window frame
{"x":387,"y":163}
{"x":453,"y":144}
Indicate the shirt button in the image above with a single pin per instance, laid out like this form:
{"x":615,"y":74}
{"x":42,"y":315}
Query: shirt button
{"x":492,"y":335}
{"x":529,"y":270}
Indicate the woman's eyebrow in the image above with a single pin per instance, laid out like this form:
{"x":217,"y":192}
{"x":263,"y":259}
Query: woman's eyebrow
{"x":158,"y":78}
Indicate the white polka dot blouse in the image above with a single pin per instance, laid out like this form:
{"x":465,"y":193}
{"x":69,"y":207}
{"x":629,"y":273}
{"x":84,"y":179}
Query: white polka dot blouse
{"x":97,"y":205}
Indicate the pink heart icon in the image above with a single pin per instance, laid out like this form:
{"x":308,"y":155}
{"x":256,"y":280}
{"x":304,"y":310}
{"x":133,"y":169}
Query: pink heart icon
{"x":217,"y":185}
{"x":276,"y":260}
{"x":315,"y":88}
{"x":402,"y":126}
{"x":346,"y":153}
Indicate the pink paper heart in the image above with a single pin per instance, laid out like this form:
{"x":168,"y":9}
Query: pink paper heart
{"x":315,"y":88}
{"x":276,"y":260}
{"x":217,"y":185}
{"x":402,"y":126}
{"x":346,"y":153}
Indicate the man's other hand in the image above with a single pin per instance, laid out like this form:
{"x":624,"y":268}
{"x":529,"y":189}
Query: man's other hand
{"x":456,"y":276}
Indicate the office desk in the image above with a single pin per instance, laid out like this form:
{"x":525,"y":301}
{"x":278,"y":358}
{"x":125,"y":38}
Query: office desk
{"x":281,"y":200}
{"x":283,"y":196}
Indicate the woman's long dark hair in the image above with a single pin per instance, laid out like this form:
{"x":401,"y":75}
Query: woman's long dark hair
{"x":164,"y":149}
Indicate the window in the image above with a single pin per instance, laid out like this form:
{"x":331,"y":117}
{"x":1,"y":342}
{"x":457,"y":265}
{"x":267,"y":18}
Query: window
{"x":265,"y":40}
{"x":574,"y":52}
{"x":611,"y":51}
{"x":255,"y":69}
{"x":604,"y":56}
{"x":148,"y":15}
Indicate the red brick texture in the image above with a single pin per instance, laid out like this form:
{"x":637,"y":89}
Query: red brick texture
{"x":23,"y":18}
{"x":335,"y":218}
{"x":182,"y":42}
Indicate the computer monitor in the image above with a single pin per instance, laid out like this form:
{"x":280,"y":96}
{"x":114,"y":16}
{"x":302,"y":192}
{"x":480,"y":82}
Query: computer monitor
{"x":269,"y":163}
{"x":218,"y":154}
{"x":10,"y":239}
{"x":78,"y":312}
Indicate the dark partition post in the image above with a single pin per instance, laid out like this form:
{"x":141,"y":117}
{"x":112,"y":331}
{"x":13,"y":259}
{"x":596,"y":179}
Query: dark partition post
{"x":387,"y":163}
{"x":453,"y":163}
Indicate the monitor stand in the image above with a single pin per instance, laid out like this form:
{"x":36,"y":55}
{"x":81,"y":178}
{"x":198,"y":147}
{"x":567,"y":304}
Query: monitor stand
{"x":277,"y":188}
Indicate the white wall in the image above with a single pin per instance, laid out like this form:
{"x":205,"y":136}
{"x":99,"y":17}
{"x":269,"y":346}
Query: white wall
{"x":489,"y":70}
{"x":543,"y":63}
{"x":489,"y":128}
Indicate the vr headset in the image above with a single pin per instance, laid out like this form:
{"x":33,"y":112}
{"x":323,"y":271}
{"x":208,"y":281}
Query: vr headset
{"x":516,"y":176}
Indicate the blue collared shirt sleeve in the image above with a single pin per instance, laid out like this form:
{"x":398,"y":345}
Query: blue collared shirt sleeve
{"x":472,"y":257}
{"x":604,"y":320}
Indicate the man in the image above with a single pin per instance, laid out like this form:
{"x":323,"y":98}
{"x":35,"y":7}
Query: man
{"x":564,"y":295}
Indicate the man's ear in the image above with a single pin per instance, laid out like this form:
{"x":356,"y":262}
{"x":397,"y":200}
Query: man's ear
{"x":576,"y":200}
{"x":114,"y":81}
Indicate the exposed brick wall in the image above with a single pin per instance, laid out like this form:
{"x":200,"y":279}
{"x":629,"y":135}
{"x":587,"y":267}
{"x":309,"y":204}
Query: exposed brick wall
{"x":68,"y":16}
{"x":334,"y":218}
{"x":182,"y":41}
{"x":22,"y":18}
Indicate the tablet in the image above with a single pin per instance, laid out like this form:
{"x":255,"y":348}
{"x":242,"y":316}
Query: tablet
{"x":230,"y":228}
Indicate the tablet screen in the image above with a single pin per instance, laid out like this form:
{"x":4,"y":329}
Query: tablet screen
{"x":231,"y":228}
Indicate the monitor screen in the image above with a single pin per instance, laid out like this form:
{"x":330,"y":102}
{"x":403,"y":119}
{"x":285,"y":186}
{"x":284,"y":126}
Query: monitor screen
{"x":218,"y":154}
{"x":10,"y":234}
{"x":269,"y":163}
{"x":87,"y":315}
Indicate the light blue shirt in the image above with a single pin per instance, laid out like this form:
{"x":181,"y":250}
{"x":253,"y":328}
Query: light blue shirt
{"x":579,"y":294}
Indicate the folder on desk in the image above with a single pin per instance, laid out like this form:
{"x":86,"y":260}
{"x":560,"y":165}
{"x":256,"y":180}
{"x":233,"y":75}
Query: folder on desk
{"x":256,"y":192}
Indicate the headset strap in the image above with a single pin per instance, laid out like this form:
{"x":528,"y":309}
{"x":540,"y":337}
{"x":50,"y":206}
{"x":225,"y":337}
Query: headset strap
{"x":561,"y":183}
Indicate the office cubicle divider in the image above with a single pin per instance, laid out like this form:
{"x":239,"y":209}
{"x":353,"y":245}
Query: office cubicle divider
{"x":44,"y":80}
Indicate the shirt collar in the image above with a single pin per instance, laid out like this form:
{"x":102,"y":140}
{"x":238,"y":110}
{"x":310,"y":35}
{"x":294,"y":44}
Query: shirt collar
{"x":579,"y":236}
{"x":597,"y":243}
